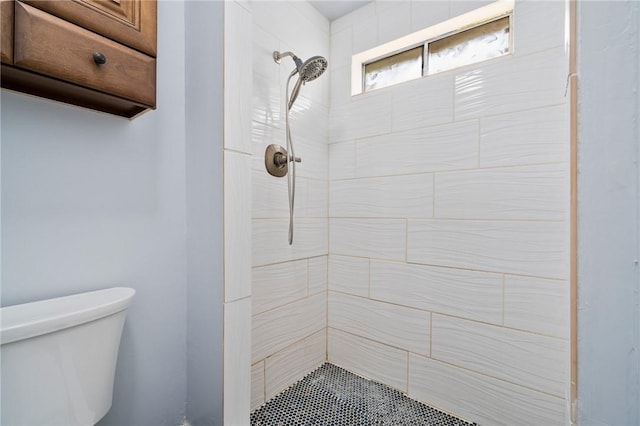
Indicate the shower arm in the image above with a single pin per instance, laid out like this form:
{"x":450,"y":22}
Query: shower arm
{"x":277,"y":56}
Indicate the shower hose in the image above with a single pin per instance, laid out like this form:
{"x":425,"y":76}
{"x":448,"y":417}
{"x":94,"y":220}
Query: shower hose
{"x":291,"y":176}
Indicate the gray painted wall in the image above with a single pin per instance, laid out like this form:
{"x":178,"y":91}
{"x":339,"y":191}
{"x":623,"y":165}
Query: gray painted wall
{"x":204,"y":131}
{"x":608,"y":213}
{"x":91,"y":201}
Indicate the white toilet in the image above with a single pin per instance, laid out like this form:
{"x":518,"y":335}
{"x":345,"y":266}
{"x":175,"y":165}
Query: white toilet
{"x":59,"y":358}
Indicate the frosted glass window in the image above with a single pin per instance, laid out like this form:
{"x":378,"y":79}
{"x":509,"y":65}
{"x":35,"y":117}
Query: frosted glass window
{"x":468,"y":47}
{"x":394,"y":69}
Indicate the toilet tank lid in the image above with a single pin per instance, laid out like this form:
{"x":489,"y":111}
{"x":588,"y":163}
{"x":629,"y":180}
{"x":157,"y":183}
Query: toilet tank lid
{"x":32,"y":319}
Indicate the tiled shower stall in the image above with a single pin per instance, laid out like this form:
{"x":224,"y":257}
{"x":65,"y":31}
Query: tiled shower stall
{"x":431,"y":245}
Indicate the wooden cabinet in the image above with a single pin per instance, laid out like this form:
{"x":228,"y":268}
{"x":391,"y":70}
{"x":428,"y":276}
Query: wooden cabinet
{"x":98,"y":54}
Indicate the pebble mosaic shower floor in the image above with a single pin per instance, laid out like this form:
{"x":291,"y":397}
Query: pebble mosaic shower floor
{"x":332,"y":396}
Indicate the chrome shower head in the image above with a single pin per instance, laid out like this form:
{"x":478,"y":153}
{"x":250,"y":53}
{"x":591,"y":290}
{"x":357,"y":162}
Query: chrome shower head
{"x":312,"y":68}
{"x":309,"y":70}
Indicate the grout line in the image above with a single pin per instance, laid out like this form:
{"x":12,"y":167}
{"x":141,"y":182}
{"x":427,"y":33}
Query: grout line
{"x":433,"y":196}
{"x":406,"y":241}
{"x":442,"y":219}
{"x":431,"y":334}
{"x":407,"y":381}
{"x":366,"y":298}
{"x":504,"y":284}
{"x":264,"y":380}
{"x":388,"y":345}
{"x":454,"y":170}
{"x":448,"y":267}
{"x":289,"y":346}
{"x":520,"y":385}
{"x":479,"y":137}
{"x":307,"y":277}
{"x":300,"y":299}
{"x":450,"y":315}
{"x":369,"y":279}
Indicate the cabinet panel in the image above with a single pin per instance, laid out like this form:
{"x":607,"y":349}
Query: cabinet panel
{"x":38,"y":85}
{"x":130,"y":22}
{"x":50,"y":46}
{"x":6,"y":31}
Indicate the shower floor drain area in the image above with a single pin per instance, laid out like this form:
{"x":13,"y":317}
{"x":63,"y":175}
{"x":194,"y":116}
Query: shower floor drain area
{"x":332,"y":396}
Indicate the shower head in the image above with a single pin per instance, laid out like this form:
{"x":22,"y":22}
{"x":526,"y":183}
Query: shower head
{"x":312,"y":68}
{"x":308,"y":70}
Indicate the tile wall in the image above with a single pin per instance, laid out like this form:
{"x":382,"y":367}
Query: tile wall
{"x":448,"y":220}
{"x":237,"y":212}
{"x":289,"y":283}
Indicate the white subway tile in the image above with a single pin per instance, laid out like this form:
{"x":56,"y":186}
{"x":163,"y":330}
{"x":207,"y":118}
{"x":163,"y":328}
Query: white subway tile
{"x":525,"y":192}
{"x":527,"y":359}
{"x":458,"y":7}
{"x":349,"y":275}
{"x":317,"y":94}
{"x":398,"y":326}
{"x":237,"y":361}
{"x":276,"y":329}
{"x":538,"y":25}
{"x":537,"y":305}
{"x":369,"y":359}
{"x":394,"y":19}
{"x":263,"y":135}
{"x":377,"y":238}
{"x":264,"y":44}
{"x":309,"y":122}
{"x":481,"y":399}
{"x":342,"y":160}
{"x":365,"y":34}
{"x":366,"y":115}
{"x":270,"y":197}
{"x":510,"y":84}
{"x":293,"y":26}
{"x":279,"y":284}
{"x":427,"y":13}
{"x":317,"y":198}
{"x":363,"y":13}
{"x":468,"y":294}
{"x":271,"y":244}
{"x":314,"y":155}
{"x":527,"y":137}
{"x":294,"y":362}
{"x":527,"y":248}
{"x":340,"y":85}
{"x":341,"y":48}
{"x":263,"y":16}
{"x":391,"y":196}
{"x":423,"y":102}
{"x":266,"y":102}
{"x":319,"y":23}
{"x":238,"y":67}
{"x":257,"y":385}
{"x":447,"y":147}
{"x":237,"y":229}
{"x":318,"y":274}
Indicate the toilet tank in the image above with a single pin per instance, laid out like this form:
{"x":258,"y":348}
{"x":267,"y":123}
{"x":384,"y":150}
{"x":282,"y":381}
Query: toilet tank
{"x":58,"y":358}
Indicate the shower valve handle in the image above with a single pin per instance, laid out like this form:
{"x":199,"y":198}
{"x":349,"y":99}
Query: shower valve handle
{"x":276,"y":160}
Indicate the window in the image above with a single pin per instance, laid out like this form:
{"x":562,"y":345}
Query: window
{"x":394,"y":69}
{"x":476,"y":36}
{"x":468,"y":47}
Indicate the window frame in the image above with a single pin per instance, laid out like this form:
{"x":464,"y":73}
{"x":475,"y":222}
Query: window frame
{"x":475,"y":18}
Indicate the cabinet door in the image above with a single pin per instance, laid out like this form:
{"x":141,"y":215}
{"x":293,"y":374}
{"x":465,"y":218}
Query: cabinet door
{"x":130,"y":22}
{"x":6,"y":31}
